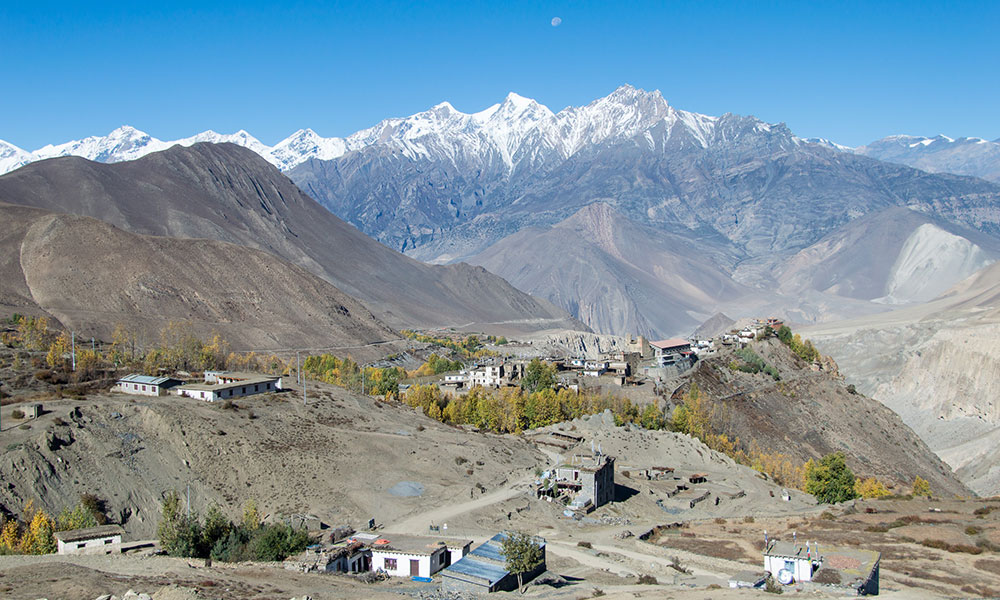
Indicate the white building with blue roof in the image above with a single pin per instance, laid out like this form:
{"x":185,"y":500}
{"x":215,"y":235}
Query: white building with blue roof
{"x":144,"y":385}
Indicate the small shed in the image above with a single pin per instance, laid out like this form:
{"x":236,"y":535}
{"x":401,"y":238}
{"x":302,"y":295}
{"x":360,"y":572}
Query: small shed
{"x":106,"y":539}
{"x":698,"y":478}
{"x":33,"y":411}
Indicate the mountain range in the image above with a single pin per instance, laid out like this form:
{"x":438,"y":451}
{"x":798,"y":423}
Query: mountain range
{"x":762,"y":213}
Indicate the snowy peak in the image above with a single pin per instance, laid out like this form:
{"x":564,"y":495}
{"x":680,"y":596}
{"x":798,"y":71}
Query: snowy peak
{"x":124,"y":143}
{"x":519,"y":132}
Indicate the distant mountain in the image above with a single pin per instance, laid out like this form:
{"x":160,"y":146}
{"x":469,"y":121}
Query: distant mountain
{"x":443,"y":185}
{"x":617,"y":275}
{"x":227,"y":193}
{"x":963,"y":156}
{"x":91,"y":276}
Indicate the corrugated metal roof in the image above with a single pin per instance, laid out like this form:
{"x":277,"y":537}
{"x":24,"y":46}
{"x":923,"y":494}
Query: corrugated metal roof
{"x":146,"y":379}
{"x":671,"y":343}
{"x":74,"y":535}
{"x":468,"y":565}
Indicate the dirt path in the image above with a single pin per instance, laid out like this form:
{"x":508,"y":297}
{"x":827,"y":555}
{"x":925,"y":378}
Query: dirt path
{"x":418,"y":524}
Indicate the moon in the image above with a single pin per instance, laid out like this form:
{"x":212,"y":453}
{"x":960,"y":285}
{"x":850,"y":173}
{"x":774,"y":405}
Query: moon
{"x":556,"y":21}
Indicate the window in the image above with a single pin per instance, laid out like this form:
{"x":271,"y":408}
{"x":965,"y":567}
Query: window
{"x":144,"y":388}
{"x":243,"y":390}
{"x":255,"y":388}
{"x":81,"y":545}
{"x":109,"y":541}
{"x":390,"y":564}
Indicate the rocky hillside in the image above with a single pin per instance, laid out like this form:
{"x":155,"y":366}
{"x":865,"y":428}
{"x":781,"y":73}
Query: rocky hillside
{"x":91,"y":276}
{"x":228,"y":193}
{"x":810,"y":413}
{"x":290,"y":458}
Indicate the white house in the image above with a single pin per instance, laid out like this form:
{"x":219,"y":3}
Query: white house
{"x":106,"y":539}
{"x":230,"y":385}
{"x":799,"y":561}
{"x":415,"y":556}
{"x":461,"y":377}
{"x":144,"y":385}
{"x":488,"y":376}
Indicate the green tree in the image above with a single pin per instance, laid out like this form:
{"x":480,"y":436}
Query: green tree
{"x":785,"y":334}
{"x":216,"y":528}
{"x":538,"y":376}
{"x":523,"y":554}
{"x":277,"y":542}
{"x":180,"y":535}
{"x":830,"y":479}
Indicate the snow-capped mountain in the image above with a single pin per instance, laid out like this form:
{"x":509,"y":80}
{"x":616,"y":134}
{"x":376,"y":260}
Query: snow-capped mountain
{"x":518,"y":131}
{"x":12,"y":157}
{"x":940,"y":154}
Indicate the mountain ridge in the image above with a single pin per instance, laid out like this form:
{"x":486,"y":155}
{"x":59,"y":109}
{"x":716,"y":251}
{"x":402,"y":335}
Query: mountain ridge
{"x":228,"y":193}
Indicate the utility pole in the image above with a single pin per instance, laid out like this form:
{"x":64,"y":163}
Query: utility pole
{"x":189,"y":501}
{"x":298,"y":369}
{"x":72,"y":337}
{"x":362,"y":380}
{"x":93,"y":345}
{"x":303,"y":391}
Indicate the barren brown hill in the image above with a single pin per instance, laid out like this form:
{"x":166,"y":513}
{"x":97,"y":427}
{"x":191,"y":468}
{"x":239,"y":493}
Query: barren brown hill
{"x":90,"y":276}
{"x":810,"y":413}
{"x":228,"y":193}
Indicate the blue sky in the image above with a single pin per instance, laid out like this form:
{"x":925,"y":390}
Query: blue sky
{"x":852,"y":72}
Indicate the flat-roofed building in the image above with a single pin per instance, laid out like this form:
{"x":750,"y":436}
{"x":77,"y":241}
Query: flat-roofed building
{"x":106,"y":539}
{"x":415,"y":556}
{"x":230,"y":385}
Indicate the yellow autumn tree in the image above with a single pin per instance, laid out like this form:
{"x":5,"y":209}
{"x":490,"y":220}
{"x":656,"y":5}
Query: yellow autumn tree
{"x":10,"y":537}
{"x":251,"y":516}
{"x":58,"y":350}
{"x":921,"y":487}
{"x":39,"y":538}
{"x":870,"y":488}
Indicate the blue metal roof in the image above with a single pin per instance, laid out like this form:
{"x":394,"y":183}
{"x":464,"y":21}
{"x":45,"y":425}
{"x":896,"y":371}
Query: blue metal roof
{"x":490,"y":551}
{"x":468,"y":565}
{"x":146,"y":379}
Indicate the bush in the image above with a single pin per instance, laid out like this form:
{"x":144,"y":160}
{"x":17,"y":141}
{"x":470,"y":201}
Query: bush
{"x":587,"y":545}
{"x":748,"y":519}
{"x":828,"y":516}
{"x":647,"y":580}
{"x":973,"y":530}
{"x":17,"y":413}
{"x":772,"y":587}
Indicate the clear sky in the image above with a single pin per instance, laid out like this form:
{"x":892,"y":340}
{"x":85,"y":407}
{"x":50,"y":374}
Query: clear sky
{"x":849,"y":71}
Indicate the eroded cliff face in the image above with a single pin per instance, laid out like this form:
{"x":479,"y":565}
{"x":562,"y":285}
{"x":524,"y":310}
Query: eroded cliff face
{"x":947,"y":392}
{"x":940,"y":374}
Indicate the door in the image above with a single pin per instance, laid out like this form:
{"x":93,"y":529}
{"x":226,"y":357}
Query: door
{"x":414,"y":568}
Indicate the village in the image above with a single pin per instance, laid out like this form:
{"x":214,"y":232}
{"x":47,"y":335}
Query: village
{"x":616,"y":504}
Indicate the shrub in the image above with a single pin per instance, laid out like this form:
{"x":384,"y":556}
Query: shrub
{"x":720,"y":521}
{"x":17,"y":413}
{"x":772,"y":587}
{"x":58,"y":422}
{"x":828,"y":516}
{"x":877,"y":528}
{"x":972,"y":530}
{"x":647,"y":580}
{"x":748,"y":519}
{"x":587,"y":545}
